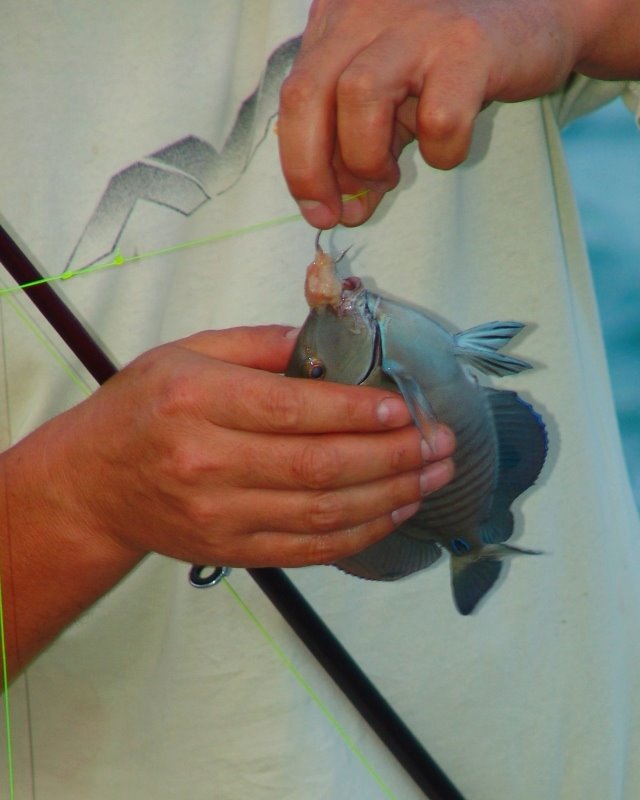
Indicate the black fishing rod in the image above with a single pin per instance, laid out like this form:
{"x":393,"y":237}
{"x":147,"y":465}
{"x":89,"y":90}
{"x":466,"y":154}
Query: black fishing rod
{"x":297,"y":612}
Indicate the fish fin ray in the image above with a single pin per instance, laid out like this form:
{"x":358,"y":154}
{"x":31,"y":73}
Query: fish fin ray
{"x":522,"y":444}
{"x":471,"y":579}
{"x":498,"y":527}
{"x":472,"y":576}
{"x":415,"y":398}
{"x":479,"y":347}
{"x":391,"y":558}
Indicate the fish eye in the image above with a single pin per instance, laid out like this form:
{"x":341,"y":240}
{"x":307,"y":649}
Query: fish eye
{"x":314,"y":368}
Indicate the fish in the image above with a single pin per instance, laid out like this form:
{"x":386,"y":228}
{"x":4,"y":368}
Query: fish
{"x":355,"y":336}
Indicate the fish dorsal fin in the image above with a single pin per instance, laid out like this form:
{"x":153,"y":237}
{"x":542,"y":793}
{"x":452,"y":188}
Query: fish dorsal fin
{"x":479,"y":347}
{"x":392,"y":558}
{"x":522,"y":444}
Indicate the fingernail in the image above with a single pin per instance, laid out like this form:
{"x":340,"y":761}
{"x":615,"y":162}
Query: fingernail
{"x":317,"y":214}
{"x":393,"y":412}
{"x":441,"y":444}
{"x":401,"y":514}
{"x":434,"y":477}
{"x":354,"y":212}
{"x":292,"y":333}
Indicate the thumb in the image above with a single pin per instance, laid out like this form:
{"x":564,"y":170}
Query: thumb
{"x":266,"y":347}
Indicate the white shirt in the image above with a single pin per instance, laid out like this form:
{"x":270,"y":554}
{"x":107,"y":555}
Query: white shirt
{"x":162,"y":691}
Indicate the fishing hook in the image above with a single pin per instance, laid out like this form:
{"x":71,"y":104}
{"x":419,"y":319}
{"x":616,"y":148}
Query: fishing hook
{"x":319,"y":249}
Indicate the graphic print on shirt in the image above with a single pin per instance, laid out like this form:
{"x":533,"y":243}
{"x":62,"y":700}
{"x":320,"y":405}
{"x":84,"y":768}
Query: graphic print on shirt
{"x":186,"y":174}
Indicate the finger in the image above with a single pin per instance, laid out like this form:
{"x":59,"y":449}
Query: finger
{"x":322,"y":512}
{"x":232,"y":396}
{"x":453,"y":96}
{"x":306,"y":140}
{"x":307,"y":123}
{"x":361,"y":197}
{"x":367,"y":101}
{"x":268,"y":549}
{"x":266,"y":347}
{"x":299,"y":550}
{"x":357,"y":208}
{"x":264,"y":461}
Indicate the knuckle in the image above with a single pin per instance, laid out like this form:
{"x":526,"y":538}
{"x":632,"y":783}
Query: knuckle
{"x":358,"y":84}
{"x":303,"y":179}
{"x":186,"y":462}
{"x":442,"y":151}
{"x":283,"y":408}
{"x":179,"y":393}
{"x":353,"y":409}
{"x":326,"y":512}
{"x":316,"y":466}
{"x":323,"y":550}
{"x":200,"y":512}
{"x":440,"y":121}
{"x":469,"y":33}
{"x":298,"y":91}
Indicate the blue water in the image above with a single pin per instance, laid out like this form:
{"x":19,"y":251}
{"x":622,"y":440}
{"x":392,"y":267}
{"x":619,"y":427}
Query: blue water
{"x":603,"y":151}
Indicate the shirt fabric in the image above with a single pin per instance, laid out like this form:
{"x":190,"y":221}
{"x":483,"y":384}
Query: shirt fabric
{"x":131,"y":128}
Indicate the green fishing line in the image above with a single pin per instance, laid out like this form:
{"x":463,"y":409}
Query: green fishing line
{"x":73,"y":374}
{"x":302,"y":681}
{"x":5,"y":687}
{"x":118,"y":261}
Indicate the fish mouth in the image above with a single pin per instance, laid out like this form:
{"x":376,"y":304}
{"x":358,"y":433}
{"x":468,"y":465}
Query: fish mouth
{"x":351,"y":284}
{"x":354,"y":304}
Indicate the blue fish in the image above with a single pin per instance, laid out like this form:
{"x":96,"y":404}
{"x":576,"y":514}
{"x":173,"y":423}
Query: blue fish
{"x":354,"y":336}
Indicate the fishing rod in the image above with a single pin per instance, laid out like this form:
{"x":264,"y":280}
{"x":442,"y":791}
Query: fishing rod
{"x":280,"y":590}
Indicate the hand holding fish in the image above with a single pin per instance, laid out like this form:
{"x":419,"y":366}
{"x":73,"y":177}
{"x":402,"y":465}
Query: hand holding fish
{"x":225,"y":462}
{"x":197,"y":450}
{"x":373,"y":75}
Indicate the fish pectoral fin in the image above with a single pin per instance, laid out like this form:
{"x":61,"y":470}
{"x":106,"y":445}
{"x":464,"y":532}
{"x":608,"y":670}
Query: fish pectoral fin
{"x":391,"y":558}
{"x":415,"y":398}
{"x":479,"y":347}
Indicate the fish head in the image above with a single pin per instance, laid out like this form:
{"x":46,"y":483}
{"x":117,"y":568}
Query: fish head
{"x":338,"y":342}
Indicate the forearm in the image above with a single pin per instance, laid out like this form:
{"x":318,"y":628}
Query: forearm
{"x":199,"y":452}
{"x":53,"y":568}
{"x":610,"y":37}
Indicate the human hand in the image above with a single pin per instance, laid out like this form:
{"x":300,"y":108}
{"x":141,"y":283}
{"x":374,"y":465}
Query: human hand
{"x":198,"y":451}
{"x":372,"y":75}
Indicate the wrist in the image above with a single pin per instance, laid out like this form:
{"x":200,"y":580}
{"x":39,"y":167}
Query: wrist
{"x":608,"y":35}
{"x":53,"y":566}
